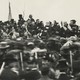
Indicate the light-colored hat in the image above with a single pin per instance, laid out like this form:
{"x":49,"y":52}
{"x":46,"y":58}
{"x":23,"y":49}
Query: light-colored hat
{"x":4,"y":45}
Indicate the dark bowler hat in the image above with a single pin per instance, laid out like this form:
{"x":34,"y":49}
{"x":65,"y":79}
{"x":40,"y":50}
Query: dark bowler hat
{"x":20,"y":15}
{"x":9,"y":59}
{"x":12,"y":20}
{"x":73,"y":20}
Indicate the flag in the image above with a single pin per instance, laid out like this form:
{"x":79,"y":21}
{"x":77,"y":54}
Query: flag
{"x":10,"y":14}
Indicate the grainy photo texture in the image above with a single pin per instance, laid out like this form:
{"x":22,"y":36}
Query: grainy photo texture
{"x":39,"y":40}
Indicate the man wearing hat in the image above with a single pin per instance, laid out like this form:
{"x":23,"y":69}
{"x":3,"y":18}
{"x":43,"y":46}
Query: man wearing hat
{"x":10,"y":71}
{"x":62,"y":67}
{"x":74,"y":27}
{"x":45,"y":73}
{"x":21,"y":20}
{"x":32,"y":72}
{"x":56,"y":28}
{"x":31,"y":18}
{"x":3,"y":47}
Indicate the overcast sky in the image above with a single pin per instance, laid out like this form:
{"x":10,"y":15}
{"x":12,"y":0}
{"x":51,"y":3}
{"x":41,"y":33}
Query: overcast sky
{"x":46,"y":10}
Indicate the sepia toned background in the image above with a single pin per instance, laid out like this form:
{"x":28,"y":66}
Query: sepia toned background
{"x":46,"y":10}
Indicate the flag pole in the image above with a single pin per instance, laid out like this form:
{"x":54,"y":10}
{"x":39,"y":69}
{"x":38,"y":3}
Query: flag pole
{"x":10,"y":14}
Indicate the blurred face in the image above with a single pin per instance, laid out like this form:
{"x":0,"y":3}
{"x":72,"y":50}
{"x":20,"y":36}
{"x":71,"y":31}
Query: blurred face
{"x":25,"y":23}
{"x":15,"y":66}
{"x":29,"y":21}
{"x":37,"y":21}
{"x":71,"y":22}
{"x":54,"y":23}
{"x":7,"y":30}
{"x":47,"y":23}
{"x":4,"y":26}
{"x":2,"y":31}
{"x":20,"y":16}
{"x":44,"y":62}
{"x":13,"y":29}
{"x":31,"y":58}
{"x":65,"y":24}
{"x":33,"y":23}
{"x":30,"y":16}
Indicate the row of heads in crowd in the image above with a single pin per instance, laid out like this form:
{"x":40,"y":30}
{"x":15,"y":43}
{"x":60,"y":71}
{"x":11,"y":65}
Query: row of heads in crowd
{"x":32,"y":20}
{"x":32,"y":27}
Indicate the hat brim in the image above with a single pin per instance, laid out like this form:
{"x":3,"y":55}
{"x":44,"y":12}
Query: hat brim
{"x":7,"y":46}
{"x":14,"y":51}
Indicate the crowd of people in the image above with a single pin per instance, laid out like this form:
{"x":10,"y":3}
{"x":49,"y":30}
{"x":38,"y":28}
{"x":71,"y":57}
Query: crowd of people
{"x":32,"y":50}
{"x":32,"y":27}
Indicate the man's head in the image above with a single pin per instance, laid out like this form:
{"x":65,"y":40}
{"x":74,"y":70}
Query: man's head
{"x":37,"y":21}
{"x":72,"y":22}
{"x":12,"y":20}
{"x":20,"y":16}
{"x":65,"y":24}
{"x":30,"y":16}
{"x":55,"y":22}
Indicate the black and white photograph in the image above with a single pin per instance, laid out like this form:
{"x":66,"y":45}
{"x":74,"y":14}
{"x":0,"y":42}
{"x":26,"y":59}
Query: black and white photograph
{"x":39,"y":39}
